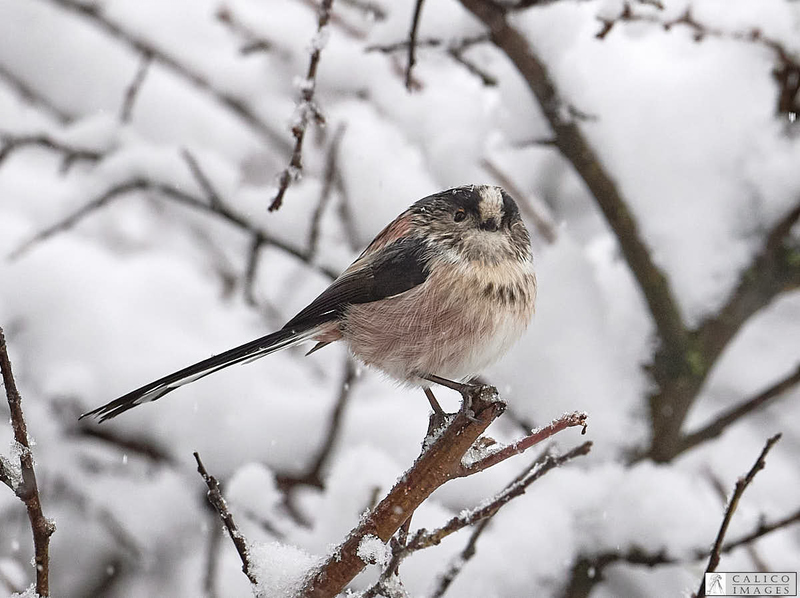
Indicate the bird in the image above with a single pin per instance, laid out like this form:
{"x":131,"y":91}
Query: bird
{"x":441,"y":293}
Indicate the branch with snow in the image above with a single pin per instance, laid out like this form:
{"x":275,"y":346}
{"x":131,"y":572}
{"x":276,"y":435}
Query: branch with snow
{"x":218,"y":502}
{"x":306,"y":108}
{"x":451,"y":439}
{"x":787,"y":65}
{"x":23,"y":481}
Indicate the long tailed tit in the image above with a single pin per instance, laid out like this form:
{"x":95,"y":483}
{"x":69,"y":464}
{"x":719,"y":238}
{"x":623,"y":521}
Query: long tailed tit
{"x":440,"y":294}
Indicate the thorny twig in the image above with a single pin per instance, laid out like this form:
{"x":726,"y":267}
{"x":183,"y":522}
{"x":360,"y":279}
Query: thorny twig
{"x":306,"y":109}
{"x":24,"y":485}
{"x":218,"y":502}
{"x":741,"y":486}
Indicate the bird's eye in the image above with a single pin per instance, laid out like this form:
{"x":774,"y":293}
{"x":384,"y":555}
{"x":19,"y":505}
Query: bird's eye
{"x":459,"y":215}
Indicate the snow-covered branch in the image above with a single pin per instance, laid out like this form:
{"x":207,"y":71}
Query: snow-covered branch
{"x":449,"y":440}
{"x":307,"y":110}
{"x":25,"y":485}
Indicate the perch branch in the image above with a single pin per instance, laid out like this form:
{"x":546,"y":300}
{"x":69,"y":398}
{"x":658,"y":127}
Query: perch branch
{"x":218,"y":502}
{"x":439,"y":462}
{"x":27,"y":490}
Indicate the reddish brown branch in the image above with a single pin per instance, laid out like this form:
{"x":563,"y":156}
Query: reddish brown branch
{"x":306,"y":110}
{"x":218,"y":502}
{"x":27,"y":489}
{"x":741,"y":485}
{"x":449,"y":439}
{"x":567,"y":420}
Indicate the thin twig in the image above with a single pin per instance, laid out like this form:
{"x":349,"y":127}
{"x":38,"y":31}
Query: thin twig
{"x":170,"y":192}
{"x":721,"y":423}
{"x":132,"y":92}
{"x":306,"y":108}
{"x":33,"y":97}
{"x":69,"y":153}
{"x":28,"y":491}
{"x":218,"y":502}
{"x":457,"y":564}
{"x":412,"y":43}
{"x":141,"y":45}
{"x":329,"y":178}
{"x":741,"y":485}
{"x":567,"y":420}
{"x":424,"y":538}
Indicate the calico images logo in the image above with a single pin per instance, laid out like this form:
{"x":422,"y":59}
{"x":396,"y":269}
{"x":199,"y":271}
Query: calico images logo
{"x":751,"y":584}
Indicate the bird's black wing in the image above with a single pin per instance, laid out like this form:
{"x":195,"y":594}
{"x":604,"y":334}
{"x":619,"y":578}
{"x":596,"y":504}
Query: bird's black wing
{"x":393,"y":269}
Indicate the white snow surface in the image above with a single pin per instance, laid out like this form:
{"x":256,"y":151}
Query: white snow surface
{"x":151,"y":282}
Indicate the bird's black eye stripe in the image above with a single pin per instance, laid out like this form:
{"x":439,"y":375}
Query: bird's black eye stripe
{"x":459,"y":215}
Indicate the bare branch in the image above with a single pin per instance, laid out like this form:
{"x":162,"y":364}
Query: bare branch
{"x":170,"y":192}
{"x":567,"y":420}
{"x":741,"y":486}
{"x":33,"y":97}
{"x":28,"y":491}
{"x":458,"y":563}
{"x":719,"y":425}
{"x":141,"y":46}
{"x":218,"y":502}
{"x":412,"y":42}
{"x":132,"y":92}
{"x":329,"y":178}
{"x":70,"y":153}
{"x":306,"y":108}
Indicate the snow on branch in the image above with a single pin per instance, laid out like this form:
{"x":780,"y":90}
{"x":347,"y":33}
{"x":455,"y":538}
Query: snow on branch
{"x":218,"y":502}
{"x":450,"y":438}
{"x":306,"y":108}
{"x":23,"y":482}
{"x":787,"y":69}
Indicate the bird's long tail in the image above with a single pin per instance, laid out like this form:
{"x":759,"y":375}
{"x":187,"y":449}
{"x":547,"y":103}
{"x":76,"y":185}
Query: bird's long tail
{"x":155,"y":390}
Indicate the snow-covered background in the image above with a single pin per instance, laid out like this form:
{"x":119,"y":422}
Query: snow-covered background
{"x":150,"y":282}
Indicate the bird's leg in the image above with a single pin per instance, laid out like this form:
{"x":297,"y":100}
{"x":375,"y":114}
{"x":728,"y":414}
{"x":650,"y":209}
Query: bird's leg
{"x":466,"y":391}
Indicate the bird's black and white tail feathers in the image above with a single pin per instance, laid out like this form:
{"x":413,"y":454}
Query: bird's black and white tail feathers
{"x":286,"y":337}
